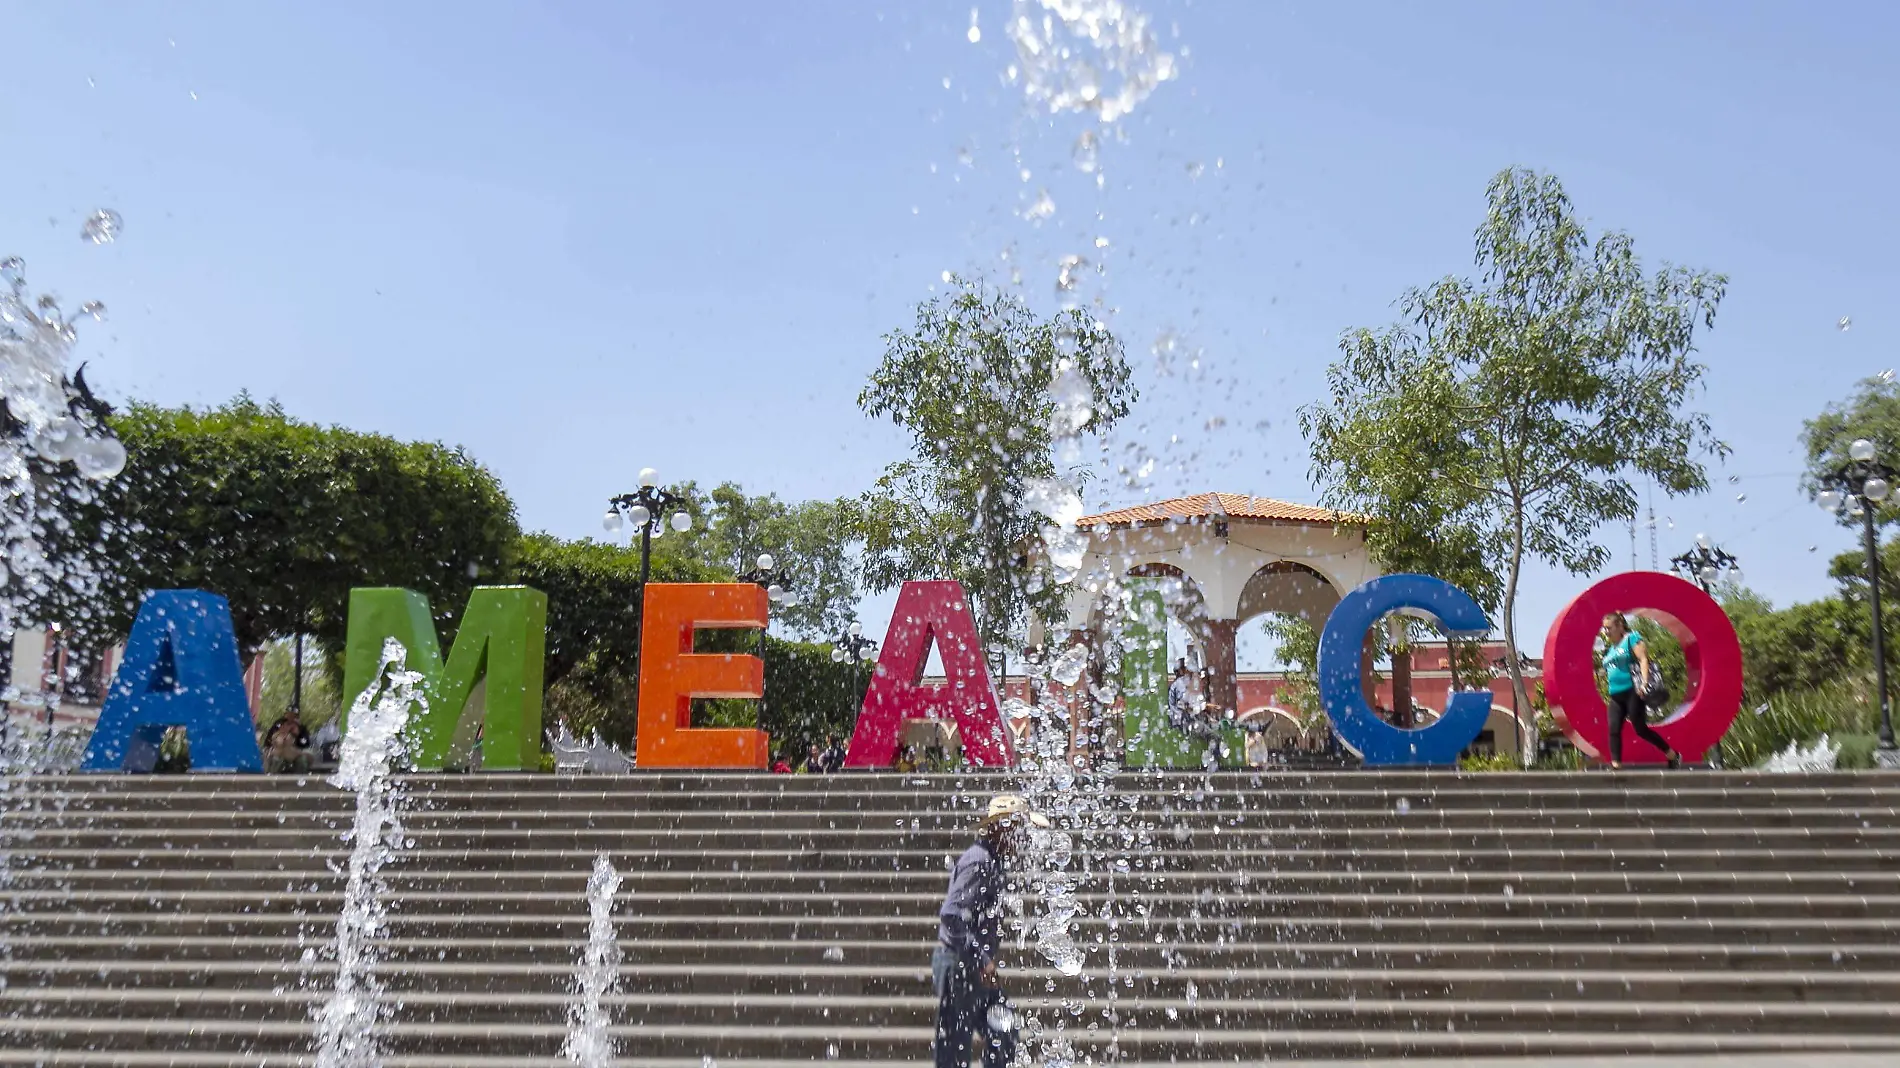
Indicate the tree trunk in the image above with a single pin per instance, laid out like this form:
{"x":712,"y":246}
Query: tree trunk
{"x":1402,"y":673}
{"x":1520,"y":696}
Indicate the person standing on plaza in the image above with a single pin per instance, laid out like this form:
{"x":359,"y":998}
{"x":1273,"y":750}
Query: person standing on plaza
{"x":1626,"y":699}
{"x":969,"y":933}
{"x":287,"y":745}
{"x":1180,"y":696}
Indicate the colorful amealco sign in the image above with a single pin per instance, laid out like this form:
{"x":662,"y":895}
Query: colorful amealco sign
{"x":181,"y":670}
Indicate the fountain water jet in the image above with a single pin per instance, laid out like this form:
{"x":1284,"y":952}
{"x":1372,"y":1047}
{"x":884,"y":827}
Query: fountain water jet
{"x":590,"y":1042}
{"x":348,"y":1021}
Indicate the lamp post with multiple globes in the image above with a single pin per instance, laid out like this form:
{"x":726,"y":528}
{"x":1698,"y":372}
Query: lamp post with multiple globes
{"x":855,"y":648}
{"x":1706,"y":563}
{"x":644,"y":509}
{"x":1855,"y":489}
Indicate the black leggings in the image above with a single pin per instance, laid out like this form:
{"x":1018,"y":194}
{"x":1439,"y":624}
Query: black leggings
{"x":1628,"y":706}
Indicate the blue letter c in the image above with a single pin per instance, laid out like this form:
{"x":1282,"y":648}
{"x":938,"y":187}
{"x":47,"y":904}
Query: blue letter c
{"x":1359,"y":728}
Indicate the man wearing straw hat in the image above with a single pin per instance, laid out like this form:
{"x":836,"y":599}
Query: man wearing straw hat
{"x":969,"y":931}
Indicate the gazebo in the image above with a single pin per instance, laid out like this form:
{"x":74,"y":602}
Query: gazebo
{"x":1236,"y":556}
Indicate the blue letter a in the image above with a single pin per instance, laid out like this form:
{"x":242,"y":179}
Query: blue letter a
{"x":180,"y":670}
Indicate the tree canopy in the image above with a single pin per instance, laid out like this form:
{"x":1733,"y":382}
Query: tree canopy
{"x":283,"y":517}
{"x":973,"y":383}
{"x":811,"y":543}
{"x":1506,"y":420}
{"x":1801,"y":647}
{"x":1873,"y":412}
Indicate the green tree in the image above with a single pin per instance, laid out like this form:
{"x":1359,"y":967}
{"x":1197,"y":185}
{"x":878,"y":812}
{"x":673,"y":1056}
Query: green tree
{"x":1873,"y":412}
{"x":1512,"y":411}
{"x":283,"y":518}
{"x":810,"y":543}
{"x":593,"y":641}
{"x":809,"y":698}
{"x":319,"y":691}
{"x":1801,"y":647}
{"x":1296,"y":648}
{"x":972,"y":381}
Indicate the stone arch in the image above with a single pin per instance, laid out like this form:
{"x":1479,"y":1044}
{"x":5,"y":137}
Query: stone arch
{"x":1508,"y":733}
{"x":1284,"y":728}
{"x":1285,"y":586}
{"x":1187,"y":602}
{"x":1290,"y":587}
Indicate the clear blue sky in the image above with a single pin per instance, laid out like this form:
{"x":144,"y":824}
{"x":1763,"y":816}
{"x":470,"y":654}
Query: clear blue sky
{"x":562,"y":234}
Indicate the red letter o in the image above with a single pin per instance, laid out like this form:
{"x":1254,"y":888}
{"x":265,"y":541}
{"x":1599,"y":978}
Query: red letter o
{"x":1709,"y":647}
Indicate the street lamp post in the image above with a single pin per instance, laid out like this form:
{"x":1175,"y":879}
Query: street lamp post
{"x":855,"y":648}
{"x":766,"y":574}
{"x":1706,"y":563}
{"x":1856,"y":488}
{"x":644,"y":509}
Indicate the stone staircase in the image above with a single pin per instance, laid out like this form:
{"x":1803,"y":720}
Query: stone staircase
{"x":774,"y":919}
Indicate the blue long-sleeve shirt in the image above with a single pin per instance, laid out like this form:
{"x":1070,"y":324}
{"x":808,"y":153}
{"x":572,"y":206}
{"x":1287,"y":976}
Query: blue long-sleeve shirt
{"x":971,"y":919}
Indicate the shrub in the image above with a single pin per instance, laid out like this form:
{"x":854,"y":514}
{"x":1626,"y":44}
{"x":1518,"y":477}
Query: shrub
{"x":1489,"y":762}
{"x":1567,"y":758}
{"x":1857,"y":751}
{"x":1841,"y":708}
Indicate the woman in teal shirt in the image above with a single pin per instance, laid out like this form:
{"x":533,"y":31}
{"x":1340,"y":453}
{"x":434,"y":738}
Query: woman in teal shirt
{"x":1626,"y":704}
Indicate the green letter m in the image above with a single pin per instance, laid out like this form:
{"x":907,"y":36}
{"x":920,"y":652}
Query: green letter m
{"x":503,"y":637}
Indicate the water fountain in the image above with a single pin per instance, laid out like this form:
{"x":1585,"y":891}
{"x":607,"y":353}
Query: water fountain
{"x":590,"y":1042}
{"x":348,"y":1021}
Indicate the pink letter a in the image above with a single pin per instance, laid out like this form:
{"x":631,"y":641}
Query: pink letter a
{"x":926,"y":610}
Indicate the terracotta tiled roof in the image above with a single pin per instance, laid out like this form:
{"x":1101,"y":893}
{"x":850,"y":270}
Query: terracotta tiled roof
{"x":1235,"y":505}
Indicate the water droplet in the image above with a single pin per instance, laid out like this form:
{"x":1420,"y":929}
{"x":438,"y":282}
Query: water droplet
{"x":1043,"y":208}
{"x":1067,"y":669}
{"x":1062,"y":58}
{"x":1741,"y":498}
{"x":976,"y":32}
{"x":1402,"y":807}
{"x":100,"y":458}
{"x":1070,"y":962}
{"x":102,"y":227}
{"x":1086,"y":151}
{"x":1509,"y":890}
{"x":1074,"y":401}
{"x":1845,"y":323}
{"x":834,"y":954}
{"x":1069,"y":271}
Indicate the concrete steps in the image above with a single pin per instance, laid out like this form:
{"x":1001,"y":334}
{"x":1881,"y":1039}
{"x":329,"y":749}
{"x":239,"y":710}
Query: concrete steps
{"x":769,"y":920}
